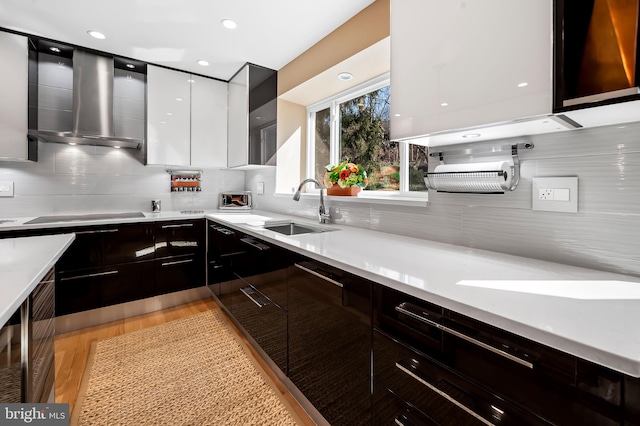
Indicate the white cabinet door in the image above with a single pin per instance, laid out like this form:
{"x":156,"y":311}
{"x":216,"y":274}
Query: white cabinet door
{"x":238,"y":133}
{"x":14,"y":86}
{"x":168,"y":117}
{"x":208,"y":122}
{"x":461,"y":63}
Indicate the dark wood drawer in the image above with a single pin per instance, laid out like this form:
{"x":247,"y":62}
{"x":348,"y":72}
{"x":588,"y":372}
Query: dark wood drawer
{"x":179,"y":237}
{"x":99,"y":287}
{"x":108,"y":245}
{"x":445,"y":396}
{"x":391,"y":410}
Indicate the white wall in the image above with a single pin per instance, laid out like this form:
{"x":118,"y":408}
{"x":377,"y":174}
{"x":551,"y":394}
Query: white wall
{"x":604,"y":234}
{"x":84,"y":179}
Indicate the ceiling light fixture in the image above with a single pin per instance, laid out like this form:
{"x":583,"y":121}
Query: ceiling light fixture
{"x":203,"y":63}
{"x":229,"y":24}
{"x":72,"y":143}
{"x":471,"y":135}
{"x":444,"y":104}
{"x":117,"y":147}
{"x":191,"y":80}
{"x":523,"y":84}
{"x":96,"y":34}
{"x":397,"y":115}
{"x":131,"y":66}
{"x":179,"y":99}
{"x":345,"y":76}
{"x":54,"y":49}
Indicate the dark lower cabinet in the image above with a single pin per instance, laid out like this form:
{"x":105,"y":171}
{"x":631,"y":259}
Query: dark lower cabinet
{"x":179,"y":273}
{"x":95,"y":288}
{"x":390,"y":409}
{"x":330,"y":341}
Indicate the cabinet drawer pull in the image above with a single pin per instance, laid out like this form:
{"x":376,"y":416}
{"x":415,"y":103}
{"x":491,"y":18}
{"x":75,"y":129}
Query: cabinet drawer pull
{"x":181,"y":225}
{"x":255,"y":244}
{"x":319,"y":275}
{"x":260,"y":300}
{"x":97,"y":231}
{"x":177,"y":262}
{"x":443,"y":394}
{"x":402,"y":309}
{"x":223,"y":231}
{"x":99,"y":274}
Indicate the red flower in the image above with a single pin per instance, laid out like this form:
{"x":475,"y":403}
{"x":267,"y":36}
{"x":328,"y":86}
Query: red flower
{"x":344,"y":174}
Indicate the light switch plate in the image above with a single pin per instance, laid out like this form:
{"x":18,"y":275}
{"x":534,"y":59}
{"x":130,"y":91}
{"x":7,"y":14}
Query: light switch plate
{"x":6,"y":188}
{"x":555,"y":194}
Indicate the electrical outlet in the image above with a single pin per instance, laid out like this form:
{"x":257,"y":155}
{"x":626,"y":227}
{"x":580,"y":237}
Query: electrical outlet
{"x":545,"y":194}
{"x":557,"y":194}
{"x":260,"y":188}
{"x":6,"y":189}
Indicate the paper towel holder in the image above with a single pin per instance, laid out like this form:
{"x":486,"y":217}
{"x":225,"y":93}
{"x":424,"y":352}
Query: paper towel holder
{"x":477,"y":179}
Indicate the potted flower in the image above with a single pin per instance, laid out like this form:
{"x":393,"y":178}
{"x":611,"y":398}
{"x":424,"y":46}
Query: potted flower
{"x":344,"y":179}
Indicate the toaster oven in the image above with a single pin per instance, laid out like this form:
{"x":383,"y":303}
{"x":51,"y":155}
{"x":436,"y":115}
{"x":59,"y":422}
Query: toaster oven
{"x":235,"y":200}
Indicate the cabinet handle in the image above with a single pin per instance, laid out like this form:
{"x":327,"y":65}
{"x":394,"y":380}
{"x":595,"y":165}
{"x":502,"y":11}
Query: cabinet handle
{"x":182,"y":225}
{"x":261,"y":301}
{"x":97,"y":231}
{"x":99,"y":274}
{"x":223,"y":231}
{"x":177,"y":262}
{"x":319,"y":275}
{"x":255,"y":244}
{"x":402,"y":309}
{"x":443,"y":394}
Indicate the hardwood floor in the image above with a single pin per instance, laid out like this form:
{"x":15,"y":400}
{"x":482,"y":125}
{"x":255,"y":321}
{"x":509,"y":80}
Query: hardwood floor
{"x":72,"y":350}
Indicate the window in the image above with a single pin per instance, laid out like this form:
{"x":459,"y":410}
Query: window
{"x":355,"y":126}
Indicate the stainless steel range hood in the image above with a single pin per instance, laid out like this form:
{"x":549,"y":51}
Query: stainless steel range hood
{"x":93,"y":121}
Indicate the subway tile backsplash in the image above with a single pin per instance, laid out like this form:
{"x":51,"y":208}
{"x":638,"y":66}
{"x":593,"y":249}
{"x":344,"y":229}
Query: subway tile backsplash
{"x":604,"y":234}
{"x":85,"y":179}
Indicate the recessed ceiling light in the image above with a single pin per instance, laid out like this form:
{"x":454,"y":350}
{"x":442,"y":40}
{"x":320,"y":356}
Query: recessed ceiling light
{"x":229,"y":23}
{"x":131,"y":66}
{"x":523,"y":84}
{"x":396,"y":115}
{"x":191,"y":80}
{"x":72,"y":143}
{"x":345,"y":76}
{"x":179,"y":99}
{"x":444,"y":104}
{"x":471,"y":135}
{"x":203,"y":63}
{"x":54,"y":49}
{"x":169,"y":113}
{"x":96,"y":34}
{"x":116,"y":147}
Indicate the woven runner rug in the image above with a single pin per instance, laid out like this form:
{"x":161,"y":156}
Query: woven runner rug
{"x":191,"y":371}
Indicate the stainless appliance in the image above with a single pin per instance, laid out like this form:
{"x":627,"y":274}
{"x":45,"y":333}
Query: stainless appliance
{"x":156,"y":206}
{"x":235,"y":201}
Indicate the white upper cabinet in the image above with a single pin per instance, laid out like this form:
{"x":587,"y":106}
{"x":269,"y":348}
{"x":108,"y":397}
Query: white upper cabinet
{"x":238,"y":154}
{"x":208,"y":122}
{"x":466,"y":63}
{"x":168,"y":117}
{"x":14,"y":87}
{"x":186,"y":119}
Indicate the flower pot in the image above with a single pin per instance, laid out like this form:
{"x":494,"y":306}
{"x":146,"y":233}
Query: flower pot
{"x":349,"y":191}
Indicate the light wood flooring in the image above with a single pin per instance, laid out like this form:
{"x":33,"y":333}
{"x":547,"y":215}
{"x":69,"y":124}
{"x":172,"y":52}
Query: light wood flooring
{"x":72,"y":350}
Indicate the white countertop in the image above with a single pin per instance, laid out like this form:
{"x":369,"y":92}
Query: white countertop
{"x":24,"y":262}
{"x":592,"y":314}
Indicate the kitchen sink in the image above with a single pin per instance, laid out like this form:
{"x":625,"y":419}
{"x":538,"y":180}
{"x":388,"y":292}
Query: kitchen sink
{"x":85,"y":217}
{"x":293,"y":228}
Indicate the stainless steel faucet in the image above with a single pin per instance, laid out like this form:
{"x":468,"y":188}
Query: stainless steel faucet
{"x":323,"y":215}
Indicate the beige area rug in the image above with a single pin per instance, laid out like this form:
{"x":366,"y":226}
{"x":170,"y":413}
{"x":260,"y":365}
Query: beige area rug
{"x":191,"y":371}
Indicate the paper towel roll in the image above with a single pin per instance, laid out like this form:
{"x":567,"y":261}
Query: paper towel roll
{"x":487,"y":177}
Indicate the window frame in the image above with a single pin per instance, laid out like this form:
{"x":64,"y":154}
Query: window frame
{"x":333,"y":104}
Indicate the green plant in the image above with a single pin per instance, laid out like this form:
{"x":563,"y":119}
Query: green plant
{"x":345,"y":174}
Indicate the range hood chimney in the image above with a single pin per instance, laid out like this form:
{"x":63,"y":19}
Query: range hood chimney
{"x":93,"y":123}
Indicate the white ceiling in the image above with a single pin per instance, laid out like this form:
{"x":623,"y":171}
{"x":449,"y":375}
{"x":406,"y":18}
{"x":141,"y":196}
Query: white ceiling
{"x":178,"y":33}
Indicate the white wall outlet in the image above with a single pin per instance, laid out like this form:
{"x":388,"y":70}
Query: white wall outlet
{"x":6,"y":189}
{"x":260,"y":188}
{"x":555,"y":194}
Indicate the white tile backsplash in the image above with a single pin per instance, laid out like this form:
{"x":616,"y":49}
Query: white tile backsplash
{"x":604,"y":234}
{"x":85,"y":179}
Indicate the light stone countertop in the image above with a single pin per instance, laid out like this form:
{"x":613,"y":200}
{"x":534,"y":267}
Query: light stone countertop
{"x":592,"y":314}
{"x":23,"y":263}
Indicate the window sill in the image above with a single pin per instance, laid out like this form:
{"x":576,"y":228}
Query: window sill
{"x":415,"y":200}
